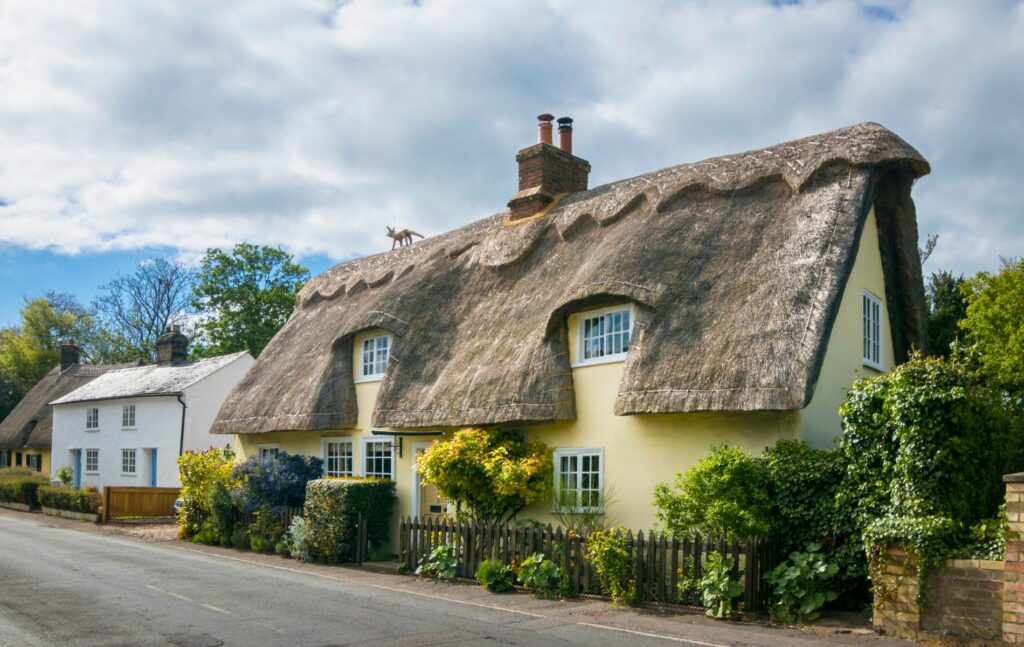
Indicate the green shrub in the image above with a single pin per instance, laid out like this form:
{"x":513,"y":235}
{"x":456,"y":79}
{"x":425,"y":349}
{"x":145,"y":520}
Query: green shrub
{"x":333,"y":507}
{"x":65,"y":475}
{"x":22,"y":486}
{"x":260,"y":544}
{"x":296,"y":538}
{"x":206,"y":536}
{"x":540,"y":576}
{"x":800,"y":586}
{"x":496,"y":575}
{"x":71,"y":499}
{"x":723,"y":496}
{"x":440,"y":563}
{"x":199,"y":472}
{"x":240,"y":538}
{"x":223,"y":515}
{"x":609,"y":554}
{"x":718,"y":589}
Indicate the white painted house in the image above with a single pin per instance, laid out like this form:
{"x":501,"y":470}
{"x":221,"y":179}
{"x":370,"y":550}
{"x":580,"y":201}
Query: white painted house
{"x":128,"y":426}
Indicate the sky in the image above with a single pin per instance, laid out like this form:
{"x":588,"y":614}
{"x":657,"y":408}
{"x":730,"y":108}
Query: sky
{"x":133,"y":130}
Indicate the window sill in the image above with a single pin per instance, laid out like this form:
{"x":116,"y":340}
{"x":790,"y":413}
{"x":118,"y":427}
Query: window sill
{"x":91,"y":431}
{"x":874,"y":367}
{"x":128,"y":474}
{"x":369,"y":378}
{"x":129,"y":428}
{"x":607,"y":359}
{"x":91,"y":473}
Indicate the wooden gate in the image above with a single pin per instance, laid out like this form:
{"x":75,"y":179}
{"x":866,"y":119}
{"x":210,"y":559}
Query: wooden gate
{"x":138,"y":502}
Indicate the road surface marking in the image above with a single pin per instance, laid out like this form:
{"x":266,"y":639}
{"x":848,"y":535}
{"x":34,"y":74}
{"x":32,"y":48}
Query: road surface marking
{"x":188,"y":599}
{"x":359,"y":583}
{"x":650,"y":635}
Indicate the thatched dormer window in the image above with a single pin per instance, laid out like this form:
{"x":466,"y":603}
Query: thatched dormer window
{"x":374,"y":351}
{"x":604,"y":335}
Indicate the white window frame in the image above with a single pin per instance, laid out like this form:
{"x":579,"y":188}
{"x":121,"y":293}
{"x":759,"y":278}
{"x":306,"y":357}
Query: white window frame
{"x":85,"y":460}
{"x":129,"y":457}
{"x":368,"y":440}
{"x":579,"y":453}
{"x":584,"y":316}
{"x":328,"y":440}
{"x":92,"y":423}
{"x":34,"y":458}
{"x":871,"y":331}
{"x":361,"y":375}
{"x":268,"y":448}
{"x":128,"y":416}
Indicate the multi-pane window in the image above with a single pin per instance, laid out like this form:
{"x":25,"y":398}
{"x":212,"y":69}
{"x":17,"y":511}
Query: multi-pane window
{"x":375,"y":356}
{"x":269,"y":450}
{"x":128,"y":416}
{"x":92,"y":418}
{"x":338,"y":458}
{"x":127,"y":461}
{"x":872,"y":330}
{"x":604,"y":335}
{"x":5,"y":458}
{"x":579,"y":479}
{"x":34,"y":461}
{"x":92,"y":461}
{"x":377,"y":459}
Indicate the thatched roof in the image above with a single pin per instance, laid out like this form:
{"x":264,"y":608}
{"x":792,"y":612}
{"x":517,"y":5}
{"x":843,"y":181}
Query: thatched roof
{"x":30,"y":424}
{"x":737,"y":265}
{"x":149,"y":380}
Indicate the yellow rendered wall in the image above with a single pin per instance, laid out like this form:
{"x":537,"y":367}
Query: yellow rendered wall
{"x":45,"y":453}
{"x":844,"y":364}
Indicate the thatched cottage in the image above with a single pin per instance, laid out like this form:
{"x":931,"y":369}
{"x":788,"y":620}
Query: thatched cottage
{"x":631,"y":327}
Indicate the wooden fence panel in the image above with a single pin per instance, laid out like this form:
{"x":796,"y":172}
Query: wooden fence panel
{"x":138,"y":502}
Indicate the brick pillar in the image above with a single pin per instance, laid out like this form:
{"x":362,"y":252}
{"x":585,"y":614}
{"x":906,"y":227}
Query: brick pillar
{"x":896,"y":611}
{"x":1013,"y":584}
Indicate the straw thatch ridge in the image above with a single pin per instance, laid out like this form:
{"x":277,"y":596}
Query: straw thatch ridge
{"x":736,"y":265}
{"x":30,"y":423}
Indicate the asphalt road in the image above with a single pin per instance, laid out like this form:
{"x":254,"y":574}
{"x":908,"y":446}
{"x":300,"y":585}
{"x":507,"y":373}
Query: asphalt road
{"x":60,"y":586}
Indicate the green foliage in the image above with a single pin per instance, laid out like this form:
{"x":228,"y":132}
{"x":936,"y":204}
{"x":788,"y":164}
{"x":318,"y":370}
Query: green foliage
{"x":946,"y":307}
{"x":800,"y":586}
{"x":199,"y":472}
{"x":987,"y":539}
{"x":540,"y":576}
{"x":223,"y":515}
{"x":298,"y":547}
{"x":65,"y":475}
{"x":333,"y":507}
{"x":31,"y":350}
{"x":723,"y":496}
{"x":688,"y":585}
{"x":205,"y":536}
{"x":11,"y":391}
{"x":493,"y":473}
{"x":240,"y":538}
{"x":994,"y":323}
{"x":718,"y":589}
{"x":579,"y":517}
{"x":610,"y":555}
{"x":260,"y":544}
{"x":250,"y":293}
{"x":496,"y":575}
{"x":67,"y":498}
{"x":440,"y":563}
{"x":19,"y":485}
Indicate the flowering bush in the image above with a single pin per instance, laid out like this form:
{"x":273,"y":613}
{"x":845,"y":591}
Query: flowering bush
{"x":274,"y":482}
{"x":199,"y":471}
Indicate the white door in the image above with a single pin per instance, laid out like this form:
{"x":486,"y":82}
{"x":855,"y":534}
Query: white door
{"x":426,"y":500}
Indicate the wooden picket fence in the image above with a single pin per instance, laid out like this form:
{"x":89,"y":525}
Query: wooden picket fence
{"x":287,"y":514}
{"x":660,"y":561}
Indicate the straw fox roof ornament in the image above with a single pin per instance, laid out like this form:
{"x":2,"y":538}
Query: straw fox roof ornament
{"x":736,"y":266}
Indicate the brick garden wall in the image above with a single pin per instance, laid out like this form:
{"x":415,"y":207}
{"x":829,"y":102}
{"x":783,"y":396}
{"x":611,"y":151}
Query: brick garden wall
{"x":975,"y":599}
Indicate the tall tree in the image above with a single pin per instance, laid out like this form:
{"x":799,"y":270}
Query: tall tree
{"x":946,"y":307}
{"x":995,"y":323}
{"x":28,"y":352}
{"x":247,"y":294}
{"x":134,"y":309}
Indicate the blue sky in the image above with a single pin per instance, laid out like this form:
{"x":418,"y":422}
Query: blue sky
{"x":134,"y":129}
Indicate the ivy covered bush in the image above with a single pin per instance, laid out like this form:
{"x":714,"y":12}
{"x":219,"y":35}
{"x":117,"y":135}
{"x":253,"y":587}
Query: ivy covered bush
{"x":68,"y":498}
{"x":332,"y":511}
{"x":924,"y":449}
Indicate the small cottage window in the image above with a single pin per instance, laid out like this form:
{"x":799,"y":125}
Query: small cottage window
{"x":269,"y":450}
{"x":128,"y":416}
{"x":92,"y":461}
{"x":338,"y":457}
{"x":5,"y":458}
{"x":604,"y":335}
{"x":34,"y":461}
{"x":374,"y":355}
{"x":92,"y":419}
{"x":579,"y":479}
{"x":872,"y":331}
{"x":128,"y":461}
{"x":378,"y":459}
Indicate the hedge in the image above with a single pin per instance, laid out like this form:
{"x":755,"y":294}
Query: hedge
{"x":66,"y":498}
{"x":332,"y":511}
{"x":17,"y":486}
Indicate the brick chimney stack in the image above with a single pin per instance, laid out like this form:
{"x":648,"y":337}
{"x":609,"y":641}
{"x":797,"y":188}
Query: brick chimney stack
{"x":546,"y":171}
{"x":69,"y":354}
{"x":171,"y":347}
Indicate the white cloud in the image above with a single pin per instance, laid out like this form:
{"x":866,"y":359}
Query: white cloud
{"x":314,"y":124}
